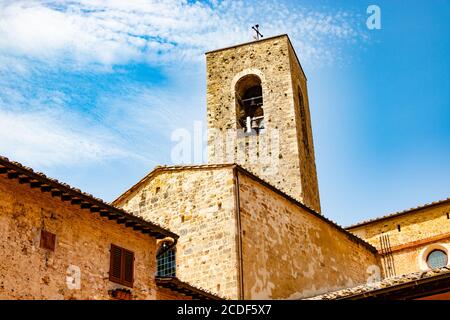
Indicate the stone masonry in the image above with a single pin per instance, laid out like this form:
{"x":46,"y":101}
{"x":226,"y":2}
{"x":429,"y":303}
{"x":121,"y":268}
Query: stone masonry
{"x":242,"y":238}
{"x":199,"y":205}
{"x":83,"y":242}
{"x":279,"y":155}
{"x":77,"y":264}
{"x":412,"y":234}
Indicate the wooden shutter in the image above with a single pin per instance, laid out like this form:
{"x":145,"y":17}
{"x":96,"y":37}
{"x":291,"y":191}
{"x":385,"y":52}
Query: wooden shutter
{"x":48,"y":240}
{"x":121,"y":266}
{"x":128,"y":267}
{"x":115,"y":270}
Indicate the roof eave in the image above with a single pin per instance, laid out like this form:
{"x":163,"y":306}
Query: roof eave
{"x":26,"y":175}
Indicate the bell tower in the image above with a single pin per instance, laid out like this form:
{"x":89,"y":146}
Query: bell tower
{"x":258,"y":115}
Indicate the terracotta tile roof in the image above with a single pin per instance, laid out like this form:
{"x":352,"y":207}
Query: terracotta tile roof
{"x":399,"y":213}
{"x":175,"y":284}
{"x":377,"y":288}
{"x":252,"y":175}
{"x":26,"y":175}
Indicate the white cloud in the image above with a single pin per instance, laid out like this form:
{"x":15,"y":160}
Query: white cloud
{"x":39,"y":39}
{"x":117,"y":31}
{"x":46,"y":139}
{"x":43,"y":130}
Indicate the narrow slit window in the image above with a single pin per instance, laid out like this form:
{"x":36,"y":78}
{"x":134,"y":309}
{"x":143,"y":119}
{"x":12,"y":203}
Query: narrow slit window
{"x":303,"y":120}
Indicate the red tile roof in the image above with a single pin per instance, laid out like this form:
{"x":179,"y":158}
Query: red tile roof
{"x":25,"y":175}
{"x":175,"y":284}
{"x":379,"y":288}
{"x":399,"y":213}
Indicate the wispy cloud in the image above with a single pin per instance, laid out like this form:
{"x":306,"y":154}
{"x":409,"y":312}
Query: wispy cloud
{"x":43,"y":139}
{"x":43,"y":41}
{"x":114,"y":31}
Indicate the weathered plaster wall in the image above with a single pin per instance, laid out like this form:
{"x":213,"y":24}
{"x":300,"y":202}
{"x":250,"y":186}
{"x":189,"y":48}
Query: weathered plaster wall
{"x":83,"y":241}
{"x":291,"y":253}
{"x":420,"y":232}
{"x":413,"y":258}
{"x":197,"y":204}
{"x":277,"y":160}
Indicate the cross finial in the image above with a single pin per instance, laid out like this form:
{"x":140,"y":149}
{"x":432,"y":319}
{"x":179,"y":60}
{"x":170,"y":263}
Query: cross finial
{"x":258,"y":34}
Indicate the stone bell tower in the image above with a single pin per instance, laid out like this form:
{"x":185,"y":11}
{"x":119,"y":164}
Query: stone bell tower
{"x":258,"y":115}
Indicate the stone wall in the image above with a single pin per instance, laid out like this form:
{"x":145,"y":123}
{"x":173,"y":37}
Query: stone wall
{"x":411,"y":235}
{"x":197,"y":204}
{"x":308,"y":173}
{"x":83,"y":241}
{"x":289,"y":252}
{"x":274,"y":154}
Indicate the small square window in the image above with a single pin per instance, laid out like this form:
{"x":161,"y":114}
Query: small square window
{"x":48,"y":240}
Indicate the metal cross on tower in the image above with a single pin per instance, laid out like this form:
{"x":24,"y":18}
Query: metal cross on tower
{"x":258,"y":34}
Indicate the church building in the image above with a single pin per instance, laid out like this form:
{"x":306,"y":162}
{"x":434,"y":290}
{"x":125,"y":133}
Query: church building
{"x":246,"y":225}
{"x":250,"y":222}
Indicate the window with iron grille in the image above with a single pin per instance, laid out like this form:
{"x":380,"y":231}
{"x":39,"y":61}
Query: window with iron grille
{"x":165,"y":261}
{"x":437,"y":259}
{"x":121,"y":269}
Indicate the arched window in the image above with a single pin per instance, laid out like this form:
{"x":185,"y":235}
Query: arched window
{"x":249,"y":104}
{"x":165,"y":261}
{"x":303,"y":120}
{"x":437,"y":259}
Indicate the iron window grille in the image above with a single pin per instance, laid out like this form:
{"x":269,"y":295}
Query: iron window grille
{"x":437,"y":259}
{"x":165,"y":261}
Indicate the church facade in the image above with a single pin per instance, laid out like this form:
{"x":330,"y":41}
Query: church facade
{"x":247,"y":225}
{"x":242,"y":238}
{"x":253,"y":229}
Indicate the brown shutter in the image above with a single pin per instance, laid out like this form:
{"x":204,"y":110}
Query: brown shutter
{"x":121,"y":266}
{"x":48,"y":240}
{"x":115,"y":271}
{"x":128,"y":267}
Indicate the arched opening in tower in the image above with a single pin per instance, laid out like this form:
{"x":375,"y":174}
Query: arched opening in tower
{"x":249,"y":104}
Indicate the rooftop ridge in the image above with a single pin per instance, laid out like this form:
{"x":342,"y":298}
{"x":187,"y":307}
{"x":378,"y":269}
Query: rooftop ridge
{"x":247,"y":43}
{"x":260,"y":41}
{"x":399,"y":213}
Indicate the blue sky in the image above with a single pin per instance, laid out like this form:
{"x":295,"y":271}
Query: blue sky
{"x":90,"y":91}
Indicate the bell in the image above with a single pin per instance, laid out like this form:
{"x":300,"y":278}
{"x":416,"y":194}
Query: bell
{"x":248,"y":125}
{"x":255,"y":125}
